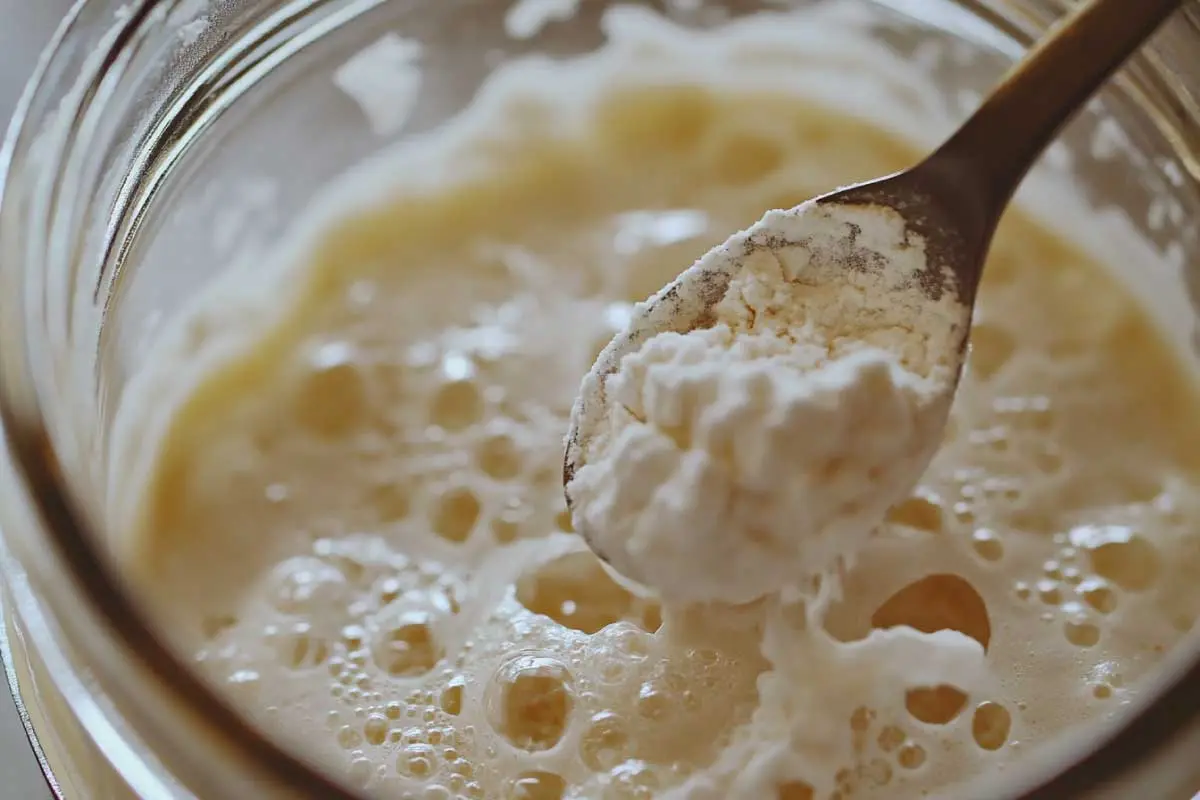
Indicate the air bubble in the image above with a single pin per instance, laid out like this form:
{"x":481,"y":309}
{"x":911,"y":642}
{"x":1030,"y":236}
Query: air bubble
{"x":332,"y":398}
{"x":575,"y":591}
{"x":890,"y":738}
{"x":299,"y":648}
{"x":631,"y":643}
{"x":632,"y":780}
{"x":879,"y":772}
{"x":409,"y":648}
{"x":605,"y":743}
{"x":417,"y":760}
{"x":1049,"y":592}
{"x":505,"y":530}
{"x":375,"y":729}
{"x":860,"y":720}
{"x":911,"y":756}
{"x":534,"y":703}
{"x":1097,"y":594}
{"x":451,"y":698}
{"x":457,"y":405}
{"x":456,"y":514}
{"x":499,"y":457}
{"x":935,"y":603}
{"x":1081,"y":633}
{"x":1119,"y":554}
{"x":987,"y":545}
{"x":990,"y":725}
{"x":358,"y":657}
{"x":304,"y":585}
{"x":388,"y":589}
{"x":653,"y":703}
{"x":538,"y":786}
{"x":611,"y":670}
{"x":348,"y":737}
{"x":922,"y":511}
{"x":391,"y":502}
{"x":936,"y":706}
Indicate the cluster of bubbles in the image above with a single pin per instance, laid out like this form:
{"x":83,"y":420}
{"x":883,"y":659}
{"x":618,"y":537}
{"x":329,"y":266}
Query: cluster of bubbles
{"x":1082,"y":585}
{"x":1006,"y":492}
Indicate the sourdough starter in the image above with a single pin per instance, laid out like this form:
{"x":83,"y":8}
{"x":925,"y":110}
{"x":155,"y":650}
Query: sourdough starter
{"x":350,"y":511}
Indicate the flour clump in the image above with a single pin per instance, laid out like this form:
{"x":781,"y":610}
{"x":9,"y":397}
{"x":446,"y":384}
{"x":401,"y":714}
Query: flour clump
{"x":761,"y":448}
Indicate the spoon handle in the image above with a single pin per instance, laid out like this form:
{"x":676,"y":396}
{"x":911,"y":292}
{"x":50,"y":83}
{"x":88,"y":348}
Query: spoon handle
{"x":995,"y":148}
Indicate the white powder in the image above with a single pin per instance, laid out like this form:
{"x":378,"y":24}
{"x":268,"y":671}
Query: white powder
{"x":739,"y":459}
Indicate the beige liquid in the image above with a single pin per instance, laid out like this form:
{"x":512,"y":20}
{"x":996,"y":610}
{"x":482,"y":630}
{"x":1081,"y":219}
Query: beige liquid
{"x":357,"y":525}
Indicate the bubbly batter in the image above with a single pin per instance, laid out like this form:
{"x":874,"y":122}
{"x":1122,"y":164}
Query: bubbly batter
{"x":353,"y":514}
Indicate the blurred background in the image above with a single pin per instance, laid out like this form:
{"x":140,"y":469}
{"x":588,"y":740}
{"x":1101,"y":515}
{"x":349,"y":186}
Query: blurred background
{"x":25,"y":27}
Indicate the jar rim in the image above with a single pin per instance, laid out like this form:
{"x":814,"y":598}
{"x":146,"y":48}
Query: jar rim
{"x":1144,"y":731}
{"x":52,"y":503}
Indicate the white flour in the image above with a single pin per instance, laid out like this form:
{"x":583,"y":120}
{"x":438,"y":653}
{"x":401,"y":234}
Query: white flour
{"x":730,"y":462}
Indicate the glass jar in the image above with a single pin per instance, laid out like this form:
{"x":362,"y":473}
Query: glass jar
{"x":161,"y":139}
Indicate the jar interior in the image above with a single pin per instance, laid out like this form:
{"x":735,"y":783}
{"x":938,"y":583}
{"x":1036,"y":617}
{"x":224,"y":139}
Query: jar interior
{"x":237,"y":119}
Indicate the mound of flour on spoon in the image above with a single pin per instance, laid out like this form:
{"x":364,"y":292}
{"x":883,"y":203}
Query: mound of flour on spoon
{"x":763,"y":412}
